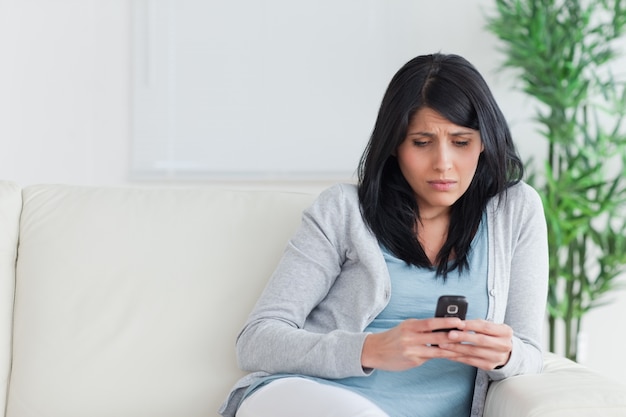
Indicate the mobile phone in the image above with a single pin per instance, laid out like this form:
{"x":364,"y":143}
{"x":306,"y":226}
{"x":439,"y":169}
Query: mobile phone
{"x":451,"y":306}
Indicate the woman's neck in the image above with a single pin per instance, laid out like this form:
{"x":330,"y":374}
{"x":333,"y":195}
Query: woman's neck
{"x":432,"y":233}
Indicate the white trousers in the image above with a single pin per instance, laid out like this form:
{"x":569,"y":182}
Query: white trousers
{"x":301,"y":397}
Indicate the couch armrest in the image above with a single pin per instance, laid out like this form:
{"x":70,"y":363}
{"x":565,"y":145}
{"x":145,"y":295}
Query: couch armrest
{"x":563,"y":389}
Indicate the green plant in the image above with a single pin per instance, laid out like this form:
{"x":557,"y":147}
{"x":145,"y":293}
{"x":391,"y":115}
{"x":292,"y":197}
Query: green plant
{"x":563,"y":53}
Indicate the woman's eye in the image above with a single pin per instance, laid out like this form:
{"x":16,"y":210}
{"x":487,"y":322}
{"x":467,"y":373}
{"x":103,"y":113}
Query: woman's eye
{"x":461,"y":143}
{"x":420,"y":143}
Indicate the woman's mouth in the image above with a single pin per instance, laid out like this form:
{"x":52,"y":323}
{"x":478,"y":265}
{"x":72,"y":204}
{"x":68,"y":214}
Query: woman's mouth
{"x":442,"y":185}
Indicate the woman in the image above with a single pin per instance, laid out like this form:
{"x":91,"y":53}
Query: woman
{"x":345,"y":326}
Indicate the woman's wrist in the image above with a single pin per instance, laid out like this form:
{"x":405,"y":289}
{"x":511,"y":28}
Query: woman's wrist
{"x":504,"y":364}
{"x":368,"y":352}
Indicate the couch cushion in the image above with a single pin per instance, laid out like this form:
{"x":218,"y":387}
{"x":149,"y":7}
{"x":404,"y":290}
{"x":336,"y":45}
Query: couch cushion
{"x":10,"y":206}
{"x":129,"y":300}
{"x":557,"y":393}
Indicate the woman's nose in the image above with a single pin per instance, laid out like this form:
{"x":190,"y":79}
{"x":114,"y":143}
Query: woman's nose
{"x":442,"y":159}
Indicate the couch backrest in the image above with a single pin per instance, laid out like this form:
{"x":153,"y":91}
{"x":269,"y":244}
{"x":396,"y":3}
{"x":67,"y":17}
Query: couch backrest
{"x":128,"y":300}
{"x":10,"y":206}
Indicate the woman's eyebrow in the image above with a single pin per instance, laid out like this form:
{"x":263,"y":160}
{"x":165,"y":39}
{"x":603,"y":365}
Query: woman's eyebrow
{"x":463,"y":133}
{"x":421,"y":133}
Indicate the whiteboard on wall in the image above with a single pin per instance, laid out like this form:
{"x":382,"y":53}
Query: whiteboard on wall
{"x":271,"y":89}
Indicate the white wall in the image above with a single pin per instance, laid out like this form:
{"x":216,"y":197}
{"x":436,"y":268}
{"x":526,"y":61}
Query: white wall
{"x":65,"y":91}
{"x":64,"y":82}
{"x":65,"y":78}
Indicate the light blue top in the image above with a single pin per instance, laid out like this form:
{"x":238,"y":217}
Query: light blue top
{"x":439,"y":387}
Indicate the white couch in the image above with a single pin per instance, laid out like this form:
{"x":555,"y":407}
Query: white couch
{"x":126,"y":302}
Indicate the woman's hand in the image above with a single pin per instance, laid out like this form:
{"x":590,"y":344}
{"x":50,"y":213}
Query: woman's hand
{"x":410,"y":344}
{"x":482,"y":344}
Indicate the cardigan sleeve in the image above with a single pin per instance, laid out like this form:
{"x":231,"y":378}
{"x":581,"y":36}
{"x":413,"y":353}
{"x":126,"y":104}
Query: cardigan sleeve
{"x":527,"y":281}
{"x":275,"y":339}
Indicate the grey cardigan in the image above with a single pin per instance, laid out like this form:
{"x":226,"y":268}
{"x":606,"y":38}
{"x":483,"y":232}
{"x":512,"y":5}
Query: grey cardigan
{"x":333,"y":281}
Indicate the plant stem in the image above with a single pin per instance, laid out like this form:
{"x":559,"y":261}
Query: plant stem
{"x":552,"y":333}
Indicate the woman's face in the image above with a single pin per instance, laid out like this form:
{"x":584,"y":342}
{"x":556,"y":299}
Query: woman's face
{"x":438,"y":160}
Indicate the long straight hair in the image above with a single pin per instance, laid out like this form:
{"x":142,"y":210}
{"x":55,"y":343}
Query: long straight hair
{"x":451,"y":86}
